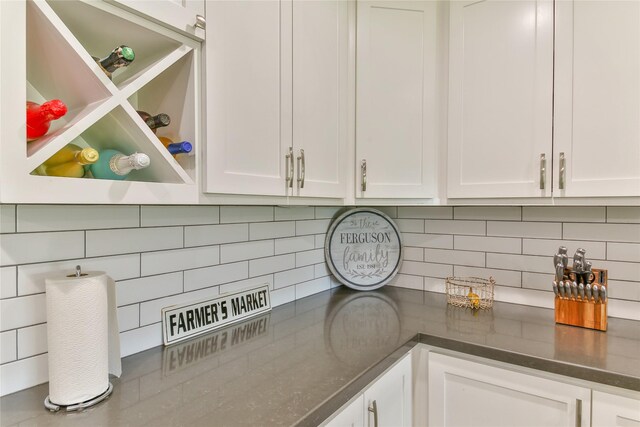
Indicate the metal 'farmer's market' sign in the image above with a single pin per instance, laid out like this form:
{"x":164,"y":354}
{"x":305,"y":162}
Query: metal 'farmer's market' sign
{"x":363,"y":249}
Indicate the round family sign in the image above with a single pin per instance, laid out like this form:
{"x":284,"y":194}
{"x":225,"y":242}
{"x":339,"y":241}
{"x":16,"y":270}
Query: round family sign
{"x":363,"y":249}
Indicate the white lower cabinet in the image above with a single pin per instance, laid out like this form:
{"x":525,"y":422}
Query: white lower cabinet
{"x":385,"y":402}
{"x":614,"y":410}
{"x":465,"y":393}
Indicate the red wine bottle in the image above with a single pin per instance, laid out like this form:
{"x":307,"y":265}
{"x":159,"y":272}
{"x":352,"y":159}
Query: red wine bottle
{"x":39,"y":117}
{"x":155,"y":122}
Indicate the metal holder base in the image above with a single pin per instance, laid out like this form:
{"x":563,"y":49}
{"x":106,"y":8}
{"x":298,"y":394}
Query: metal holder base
{"x":78,"y":406}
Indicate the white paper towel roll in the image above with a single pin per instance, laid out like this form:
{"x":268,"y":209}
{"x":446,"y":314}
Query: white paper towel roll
{"x":83,"y":339}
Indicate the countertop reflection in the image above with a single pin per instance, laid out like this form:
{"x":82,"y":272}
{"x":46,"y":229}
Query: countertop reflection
{"x":278,"y":368}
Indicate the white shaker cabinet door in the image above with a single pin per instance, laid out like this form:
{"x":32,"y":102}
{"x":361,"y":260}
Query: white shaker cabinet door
{"x":388,"y":401}
{"x":320,"y":65}
{"x":396,"y":98}
{"x":500,"y":99}
{"x":185,"y":15}
{"x":351,"y":416}
{"x":465,"y":393}
{"x":610,"y":410}
{"x":248,"y":111}
{"x":597,"y":98}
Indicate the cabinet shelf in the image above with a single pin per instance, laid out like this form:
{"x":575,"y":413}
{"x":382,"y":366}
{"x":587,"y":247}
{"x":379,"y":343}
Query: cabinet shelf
{"x":59,"y":39}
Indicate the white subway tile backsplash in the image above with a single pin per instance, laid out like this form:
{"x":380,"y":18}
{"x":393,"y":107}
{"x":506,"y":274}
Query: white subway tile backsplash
{"x":390,"y":211}
{"x":321,"y":270}
{"x":623,"y":214}
{"x":502,"y":277}
{"x":291,"y":277}
{"x":413,"y":254}
{"x":327,"y":212}
{"x":125,"y":241}
{"x":8,"y":346}
{"x":533,"y":264}
{"x":8,"y":282}
{"x":271,"y":230}
{"x":215,"y":234}
{"x":22,"y":311}
{"x":309,"y":257}
{"x":620,"y":289}
{"x":31,"y":277}
{"x":620,"y":270}
{"x":294,"y":212}
{"x":603,"y":232}
{"x":312,"y":287}
{"x":320,"y":239}
{"x":32,"y":341}
{"x":539,"y":281}
{"x":425,"y":212}
{"x":158,"y":216}
{"x":595,"y":250}
{"x":445,"y":256}
{"x":7,"y":218}
{"x":426,"y":269}
{"x":40,"y":247}
{"x":295,"y":244}
{"x":178,"y":259}
{"x":624,"y":309}
{"x":76,"y":217}
{"x":434,"y":226}
{"x":137,"y":340}
{"x":436,"y":241}
{"x":147,"y":288}
{"x":128,"y":317}
{"x":23,"y":373}
{"x":499,"y":213}
{"x":253,"y":282}
{"x":564,"y":213}
{"x":316,"y":226}
{"x":410,"y":225}
{"x":488,"y":244}
{"x":407,"y":281}
{"x":235,"y":214}
{"x":541,"y":230}
{"x":150,"y":311}
{"x":524,"y":296}
{"x":248,"y":250}
{"x":258,"y":267}
{"x":211,"y":276}
{"x":623,"y":252}
{"x":283,"y":296}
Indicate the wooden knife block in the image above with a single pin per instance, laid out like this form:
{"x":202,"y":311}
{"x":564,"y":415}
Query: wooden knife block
{"x":585,"y":314}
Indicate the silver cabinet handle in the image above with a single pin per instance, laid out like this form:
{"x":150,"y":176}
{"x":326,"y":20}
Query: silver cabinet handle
{"x":289,"y":167}
{"x":200,"y":22}
{"x":578,"y":412}
{"x":543,"y":171}
{"x":301,"y":169}
{"x":363,"y":171}
{"x":374,"y":408}
{"x":563,"y":171}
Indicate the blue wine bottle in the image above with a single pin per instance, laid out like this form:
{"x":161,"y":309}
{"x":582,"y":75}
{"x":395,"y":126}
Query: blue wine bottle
{"x":180,"y":147}
{"x":112,"y":164}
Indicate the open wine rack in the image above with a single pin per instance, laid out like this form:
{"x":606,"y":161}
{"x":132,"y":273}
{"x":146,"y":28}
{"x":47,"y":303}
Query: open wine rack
{"x":51,"y":45}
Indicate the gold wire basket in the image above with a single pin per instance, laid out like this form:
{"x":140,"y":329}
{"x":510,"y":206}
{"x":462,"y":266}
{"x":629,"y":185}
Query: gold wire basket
{"x":471,"y":292}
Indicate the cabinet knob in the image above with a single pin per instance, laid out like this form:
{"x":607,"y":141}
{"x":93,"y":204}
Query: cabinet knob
{"x":200,"y":22}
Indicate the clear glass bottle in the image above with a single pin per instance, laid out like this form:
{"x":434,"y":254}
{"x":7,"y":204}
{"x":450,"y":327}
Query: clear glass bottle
{"x":116,"y":165}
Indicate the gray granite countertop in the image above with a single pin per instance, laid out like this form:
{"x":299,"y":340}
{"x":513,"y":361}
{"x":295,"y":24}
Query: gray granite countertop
{"x":300,"y":361}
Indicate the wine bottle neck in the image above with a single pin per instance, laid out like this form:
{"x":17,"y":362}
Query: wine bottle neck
{"x":120,"y":57}
{"x":122,"y":165}
{"x":158,"y":121}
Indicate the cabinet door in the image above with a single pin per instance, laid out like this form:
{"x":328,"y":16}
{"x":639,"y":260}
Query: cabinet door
{"x":392,"y":396}
{"x":464,"y":393}
{"x":597,"y":97}
{"x":611,"y":410}
{"x":500,"y":98}
{"x":248,"y":97}
{"x":320,"y":56}
{"x":351,"y":416}
{"x":180,"y":14}
{"x":396,"y":98}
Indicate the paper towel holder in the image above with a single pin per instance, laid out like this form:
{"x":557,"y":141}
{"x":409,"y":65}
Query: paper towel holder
{"x":79,"y":406}
{"x":78,"y":273}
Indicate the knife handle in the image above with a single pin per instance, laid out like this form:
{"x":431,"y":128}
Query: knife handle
{"x":574,"y":290}
{"x":555,"y":288}
{"x":581,"y":291}
{"x":567,"y":289}
{"x":587,"y":290}
{"x":603,"y":294}
{"x":594,"y":291}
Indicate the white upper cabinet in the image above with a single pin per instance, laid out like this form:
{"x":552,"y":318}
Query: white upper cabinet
{"x":276,"y":97}
{"x":184,"y":15}
{"x":597,"y":98}
{"x":500,"y":98}
{"x":396,"y":99}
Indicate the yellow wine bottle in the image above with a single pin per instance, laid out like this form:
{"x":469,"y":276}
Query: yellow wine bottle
{"x":68,"y":162}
